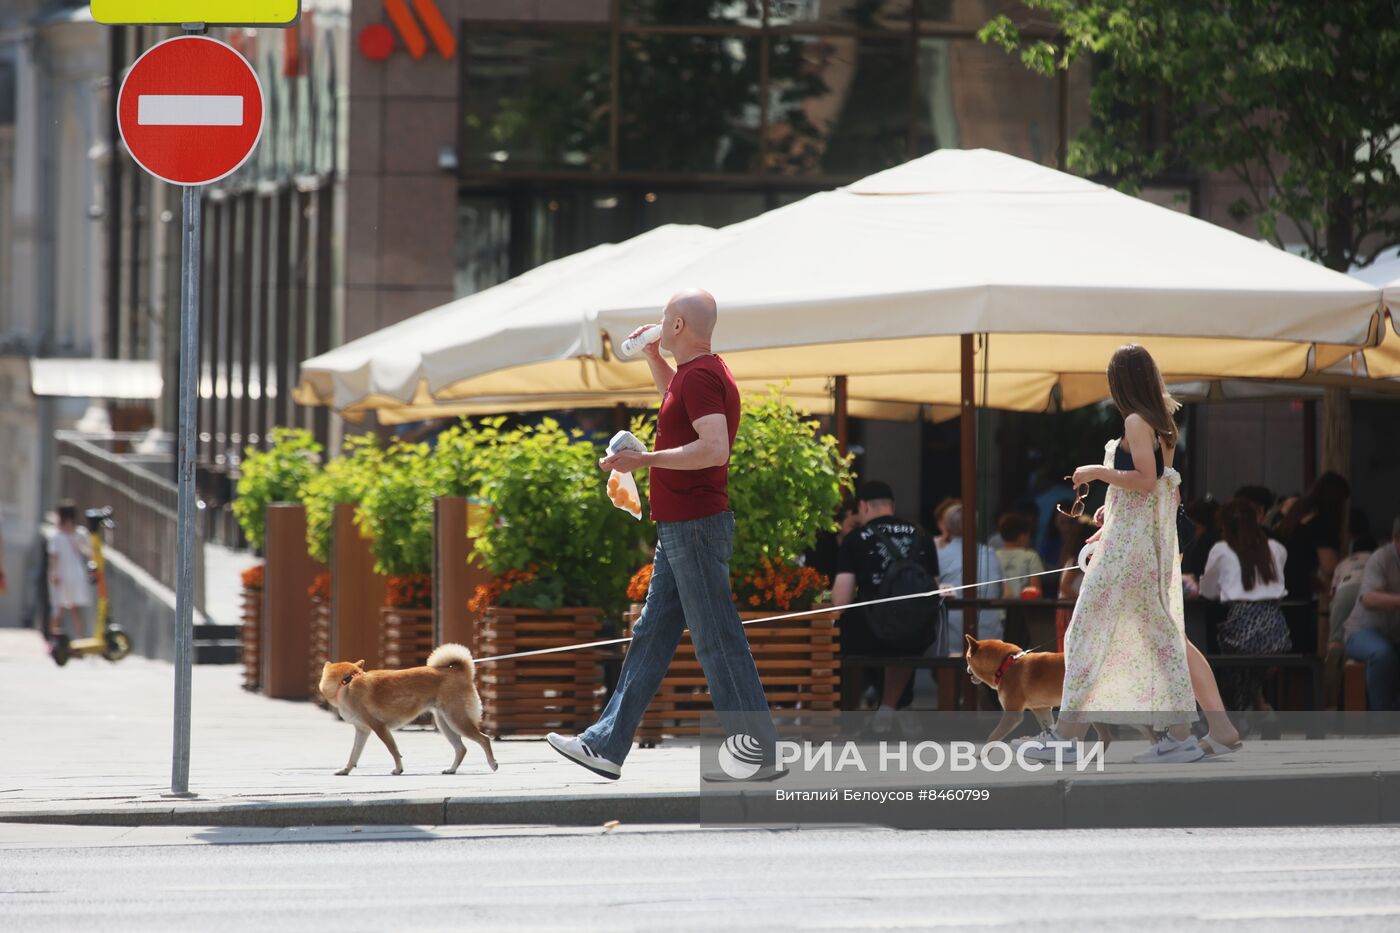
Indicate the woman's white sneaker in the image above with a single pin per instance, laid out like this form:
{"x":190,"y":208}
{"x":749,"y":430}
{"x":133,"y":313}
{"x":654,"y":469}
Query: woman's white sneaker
{"x":1170,"y":751}
{"x":1047,"y":746}
{"x":576,"y":750}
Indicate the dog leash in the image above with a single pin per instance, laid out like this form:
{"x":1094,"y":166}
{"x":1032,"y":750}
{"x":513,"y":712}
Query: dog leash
{"x":941,"y":591}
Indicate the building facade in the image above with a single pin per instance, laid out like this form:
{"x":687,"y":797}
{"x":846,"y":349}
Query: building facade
{"x":416,"y":157}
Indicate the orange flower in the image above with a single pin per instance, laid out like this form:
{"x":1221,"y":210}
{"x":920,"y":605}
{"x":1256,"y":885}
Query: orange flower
{"x":410,"y":591}
{"x":489,"y":594}
{"x":320,"y":587}
{"x":778,"y":585}
{"x":639,"y":584}
{"x":253,"y":577}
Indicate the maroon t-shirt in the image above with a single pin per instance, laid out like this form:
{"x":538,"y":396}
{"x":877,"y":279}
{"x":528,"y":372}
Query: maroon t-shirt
{"x":704,"y":386}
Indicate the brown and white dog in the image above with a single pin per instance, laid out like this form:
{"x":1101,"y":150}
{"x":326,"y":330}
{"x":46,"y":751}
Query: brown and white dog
{"x":1023,"y":680}
{"x":382,"y":701}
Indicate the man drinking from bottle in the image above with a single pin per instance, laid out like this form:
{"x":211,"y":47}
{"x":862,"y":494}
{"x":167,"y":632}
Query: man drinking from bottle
{"x":695,"y":536}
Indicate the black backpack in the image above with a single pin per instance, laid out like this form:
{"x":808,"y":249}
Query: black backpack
{"x":909,"y":618}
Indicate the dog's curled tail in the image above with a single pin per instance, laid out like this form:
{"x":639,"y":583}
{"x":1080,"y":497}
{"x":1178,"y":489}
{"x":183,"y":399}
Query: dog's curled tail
{"x":450,"y":655}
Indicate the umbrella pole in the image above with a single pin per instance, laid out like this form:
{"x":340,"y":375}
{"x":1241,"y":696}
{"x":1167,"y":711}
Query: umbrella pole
{"x":968,"y":414}
{"x":840,"y":405}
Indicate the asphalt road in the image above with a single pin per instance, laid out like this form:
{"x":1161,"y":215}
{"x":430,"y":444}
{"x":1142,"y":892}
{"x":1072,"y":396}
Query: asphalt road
{"x":646,"y":878}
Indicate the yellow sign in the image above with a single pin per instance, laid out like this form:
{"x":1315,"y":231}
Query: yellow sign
{"x":211,"y":12}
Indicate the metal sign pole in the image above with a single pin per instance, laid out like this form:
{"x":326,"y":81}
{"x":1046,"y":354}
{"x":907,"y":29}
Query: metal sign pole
{"x":184,"y":540}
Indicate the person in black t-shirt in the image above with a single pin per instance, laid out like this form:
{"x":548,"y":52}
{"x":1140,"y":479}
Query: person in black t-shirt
{"x":860,"y":567}
{"x":1312,"y":531}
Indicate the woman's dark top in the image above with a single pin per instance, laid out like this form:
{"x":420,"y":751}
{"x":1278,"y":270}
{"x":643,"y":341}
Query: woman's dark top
{"x":1123,"y":459}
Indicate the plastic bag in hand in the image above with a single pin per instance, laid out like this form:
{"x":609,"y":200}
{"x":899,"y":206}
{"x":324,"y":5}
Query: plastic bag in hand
{"x":622,"y":490}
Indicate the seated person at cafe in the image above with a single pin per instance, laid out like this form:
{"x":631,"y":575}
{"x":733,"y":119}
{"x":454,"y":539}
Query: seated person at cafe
{"x":1373,"y":629}
{"x":886,"y":552}
{"x":1017,"y":557}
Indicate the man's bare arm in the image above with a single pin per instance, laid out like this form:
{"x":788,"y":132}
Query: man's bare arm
{"x":843,"y":591}
{"x":710,"y":449}
{"x":661,"y":372}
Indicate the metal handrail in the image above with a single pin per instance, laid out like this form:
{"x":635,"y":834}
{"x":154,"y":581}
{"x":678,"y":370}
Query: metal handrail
{"x":144,"y":504}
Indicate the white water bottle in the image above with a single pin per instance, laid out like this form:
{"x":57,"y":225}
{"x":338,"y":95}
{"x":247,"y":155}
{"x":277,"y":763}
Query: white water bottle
{"x":632,"y":347}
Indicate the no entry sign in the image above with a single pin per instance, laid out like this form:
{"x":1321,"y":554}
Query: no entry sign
{"x":190,"y":110}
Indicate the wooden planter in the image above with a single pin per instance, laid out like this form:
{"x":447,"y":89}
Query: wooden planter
{"x":320,"y":647}
{"x":798,"y":662}
{"x":552,"y":692}
{"x":250,"y":639}
{"x":405,"y":637}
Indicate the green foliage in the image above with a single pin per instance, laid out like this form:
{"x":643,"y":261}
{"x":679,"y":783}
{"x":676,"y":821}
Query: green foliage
{"x":551,"y":510}
{"x":785,"y":483}
{"x":344,"y":479}
{"x":278,"y":474}
{"x":1297,"y":99}
{"x":396,"y":506}
{"x":396,"y":511}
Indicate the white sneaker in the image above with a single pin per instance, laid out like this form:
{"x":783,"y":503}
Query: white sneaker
{"x":577,"y":751}
{"x":1039,"y":748}
{"x":884,"y":720}
{"x":1170,"y":751}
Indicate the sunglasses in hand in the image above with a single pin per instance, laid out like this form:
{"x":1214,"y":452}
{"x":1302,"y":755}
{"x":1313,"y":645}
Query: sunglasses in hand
{"x":1076,"y":509}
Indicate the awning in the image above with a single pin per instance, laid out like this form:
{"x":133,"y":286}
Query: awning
{"x":82,"y":378}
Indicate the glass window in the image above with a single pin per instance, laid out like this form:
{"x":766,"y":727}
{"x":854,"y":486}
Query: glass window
{"x":848,"y":14}
{"x":536,"y":100}
{"x":974,"y":14}
{"x":838,"y":105}
{"x":483,"y":242}
{"x":692,"y":12}
{"x":711,"y":208}
{"x":975,"y":96}
{"x":566,"y":221}
{"x":688,"y":104}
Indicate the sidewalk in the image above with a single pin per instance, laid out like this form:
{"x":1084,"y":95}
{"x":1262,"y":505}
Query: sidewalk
{"x":90,"y":743}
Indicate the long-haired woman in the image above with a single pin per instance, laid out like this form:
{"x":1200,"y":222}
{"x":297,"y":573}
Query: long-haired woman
{"x":1125,"y":650}
{"x":1245,"y":570}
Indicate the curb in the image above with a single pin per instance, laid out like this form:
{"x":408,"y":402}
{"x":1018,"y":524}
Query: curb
{"x":1345,"y":799}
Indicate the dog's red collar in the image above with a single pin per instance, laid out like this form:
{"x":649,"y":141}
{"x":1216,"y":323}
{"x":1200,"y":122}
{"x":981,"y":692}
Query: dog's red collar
{"x":344,"y":680}
{"x":1006,"y":662}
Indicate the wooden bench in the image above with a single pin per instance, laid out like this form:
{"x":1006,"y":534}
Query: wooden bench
{"x":1311,"y":664}
{"x":947,"y":686}
{"x":1354,"y":687}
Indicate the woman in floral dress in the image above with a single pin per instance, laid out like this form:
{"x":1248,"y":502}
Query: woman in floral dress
{"x":1125,"y":650}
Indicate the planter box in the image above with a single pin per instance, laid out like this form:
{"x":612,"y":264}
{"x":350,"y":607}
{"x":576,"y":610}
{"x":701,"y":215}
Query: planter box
{"x":552,"y":692}
{"x":405,"y":637}
{"x":250,"y":639}
{"x":798,"y":661}
{"x":320,"y":648}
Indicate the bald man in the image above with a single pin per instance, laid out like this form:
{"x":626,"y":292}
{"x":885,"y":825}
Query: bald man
{"x":694,"y":539}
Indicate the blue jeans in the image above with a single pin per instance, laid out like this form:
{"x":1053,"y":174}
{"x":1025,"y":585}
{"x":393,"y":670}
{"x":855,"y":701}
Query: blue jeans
{"x":689,"y":587}
{"x":1382,"y":658}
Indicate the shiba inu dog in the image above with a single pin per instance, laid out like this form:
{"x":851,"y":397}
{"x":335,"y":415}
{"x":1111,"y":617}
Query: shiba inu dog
{"x":1025,"y":680}
{"x":382,"y":701}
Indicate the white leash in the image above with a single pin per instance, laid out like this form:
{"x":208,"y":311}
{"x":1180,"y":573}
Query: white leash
{"x":941,"y":591}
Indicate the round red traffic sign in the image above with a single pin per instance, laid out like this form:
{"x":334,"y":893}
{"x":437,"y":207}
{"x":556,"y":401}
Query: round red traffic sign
{"x":190,"y":110}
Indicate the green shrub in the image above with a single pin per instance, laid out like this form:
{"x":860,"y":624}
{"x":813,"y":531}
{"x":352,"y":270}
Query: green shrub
{"x":785,"y":483}
{"x":278,"y":474}
{"x":346,"y":478}
{"x":551,"y":511}
{"x":396,"y":511}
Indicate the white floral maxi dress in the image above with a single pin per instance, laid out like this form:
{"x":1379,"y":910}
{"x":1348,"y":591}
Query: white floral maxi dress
{"x":1125,"y":650}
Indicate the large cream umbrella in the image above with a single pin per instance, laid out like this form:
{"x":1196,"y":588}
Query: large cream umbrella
{"x":889,"y":281}
{"x":880,"y":280}
{"x":525,"y":318}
